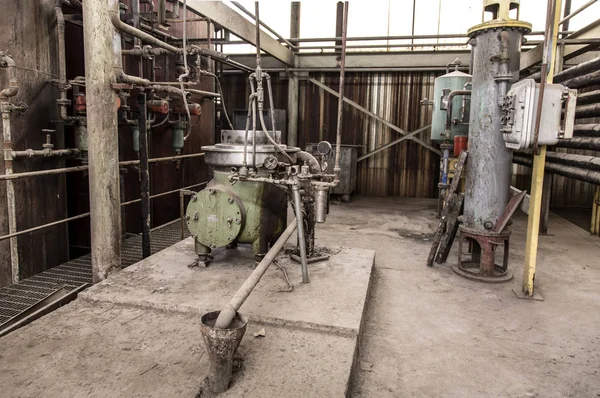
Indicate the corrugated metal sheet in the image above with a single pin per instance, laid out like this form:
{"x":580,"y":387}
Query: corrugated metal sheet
{"x":406,"y":169}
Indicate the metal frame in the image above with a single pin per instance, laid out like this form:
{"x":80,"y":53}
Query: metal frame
{"x":590,"y":32}
{"x":374,"y":116}
{"x":219,"y":13}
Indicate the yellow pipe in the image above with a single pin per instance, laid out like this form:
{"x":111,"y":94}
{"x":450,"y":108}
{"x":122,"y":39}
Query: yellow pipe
{"x":537,"y":181}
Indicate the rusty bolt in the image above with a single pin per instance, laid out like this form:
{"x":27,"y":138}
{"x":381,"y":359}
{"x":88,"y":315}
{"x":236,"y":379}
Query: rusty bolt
{"x":187,"y":217}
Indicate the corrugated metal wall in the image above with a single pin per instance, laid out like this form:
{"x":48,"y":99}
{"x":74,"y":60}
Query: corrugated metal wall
{"x":406,"y":169}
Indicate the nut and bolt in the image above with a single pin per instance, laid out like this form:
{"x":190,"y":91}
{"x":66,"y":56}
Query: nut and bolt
{"x":238,"y":221}
{"x":196,"y":216}
{"x":187,"y":217}
{"x":211,"y":191}
{"x":230,"y":200}
{"x":194,"y":198}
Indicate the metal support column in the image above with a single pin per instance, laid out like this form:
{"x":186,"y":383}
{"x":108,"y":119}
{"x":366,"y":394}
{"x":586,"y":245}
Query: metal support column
{"x":539,"y":163}
{"x":102,"y":50}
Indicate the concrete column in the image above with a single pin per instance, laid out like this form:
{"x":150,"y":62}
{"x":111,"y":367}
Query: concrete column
{"x":102,"y":50}
{"x":293,"y":87}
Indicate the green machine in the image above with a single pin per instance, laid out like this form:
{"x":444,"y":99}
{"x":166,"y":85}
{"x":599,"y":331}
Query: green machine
{"x":228,"y":212}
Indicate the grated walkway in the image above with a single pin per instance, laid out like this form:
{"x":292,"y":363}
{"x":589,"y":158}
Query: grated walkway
{"x":18,"y":297}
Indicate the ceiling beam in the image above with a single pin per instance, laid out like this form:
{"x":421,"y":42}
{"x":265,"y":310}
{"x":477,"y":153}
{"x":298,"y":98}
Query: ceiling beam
{"x":385,"y":60}
{"x":219,"y":13}
{"x":534,"y":56}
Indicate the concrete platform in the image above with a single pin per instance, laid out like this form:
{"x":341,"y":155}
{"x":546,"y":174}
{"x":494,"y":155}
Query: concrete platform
{"x":137,"y":333}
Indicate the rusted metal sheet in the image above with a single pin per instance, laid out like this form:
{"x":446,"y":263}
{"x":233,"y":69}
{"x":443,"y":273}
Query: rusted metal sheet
{"x":407,"y":169}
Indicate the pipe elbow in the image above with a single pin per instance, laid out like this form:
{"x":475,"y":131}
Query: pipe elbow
{"x":9,"y":91}
{"x":313,"y":163}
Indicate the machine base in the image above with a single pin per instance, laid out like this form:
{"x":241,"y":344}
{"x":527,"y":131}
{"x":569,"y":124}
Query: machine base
{"x":482,"y":265}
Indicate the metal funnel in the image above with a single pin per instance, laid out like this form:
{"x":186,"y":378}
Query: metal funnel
{"x":220,"y":346}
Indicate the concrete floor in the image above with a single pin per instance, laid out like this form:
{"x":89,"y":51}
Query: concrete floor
{"x":429,"y":332}
{"x":426,"y":332}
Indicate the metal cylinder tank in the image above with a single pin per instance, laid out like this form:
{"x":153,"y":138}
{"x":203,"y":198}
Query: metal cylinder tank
{"x":450,"y":81}
{"x":496,"y":47}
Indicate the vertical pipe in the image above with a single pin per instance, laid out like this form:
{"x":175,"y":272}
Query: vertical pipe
{"x":62,"y":68}
{"x":102,"y":51}
{"x":301,"y":237}
{"x":145,"y":174}
{"x":338,"y":137}
{"x":10,"y":193}
{"x":293,"y":88}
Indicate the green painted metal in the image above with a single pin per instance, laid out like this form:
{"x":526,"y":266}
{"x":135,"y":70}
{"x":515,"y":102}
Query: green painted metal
{"x":452,"y":81}
{"x":178,"y":131}
{"x":213,"y":215}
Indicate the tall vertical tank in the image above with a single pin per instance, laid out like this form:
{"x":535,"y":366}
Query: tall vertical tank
{"x":450,"y":81}
{"x":496,"y":47}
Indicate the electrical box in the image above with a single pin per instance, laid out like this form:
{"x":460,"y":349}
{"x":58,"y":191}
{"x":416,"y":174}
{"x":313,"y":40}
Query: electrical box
{"x":519,"y":111}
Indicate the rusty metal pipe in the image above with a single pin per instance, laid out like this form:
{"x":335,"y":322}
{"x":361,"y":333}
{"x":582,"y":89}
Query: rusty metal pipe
{"x":45,"y":153}
{"x":301,"y":234}
{"x":62,"y":63}
{"x":10,"y":193}
{"x":123,"y":27}
{"x":338,"y":135}
{"x":227,"y":314}
{"x":6,"y":177}
{"x":13,"y":83}
{"x":145,"y":173}
{"x":77,"y":217}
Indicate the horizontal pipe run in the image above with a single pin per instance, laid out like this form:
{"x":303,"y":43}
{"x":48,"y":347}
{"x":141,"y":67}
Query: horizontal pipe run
{"x":588,"y":98}
{"x":84,"y":215}
{"x":84,"y":168}
{"x":591,"y":176}
{"x":588,"y":143}
{"x":586,"y":130}
{"x":577,"y":11}
{"x":583,"y":80}
{"x":586,"y":111}
{"x":579,"y":70}
{"x":571,"y":159}
{"x":43,"y":153}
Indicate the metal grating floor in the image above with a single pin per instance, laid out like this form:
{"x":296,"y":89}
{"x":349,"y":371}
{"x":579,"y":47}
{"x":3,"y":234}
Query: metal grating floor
{"x":17,"y":297}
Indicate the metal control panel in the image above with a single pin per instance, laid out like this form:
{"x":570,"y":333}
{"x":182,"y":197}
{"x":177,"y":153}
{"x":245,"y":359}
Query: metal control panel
{"x":519,"y":111}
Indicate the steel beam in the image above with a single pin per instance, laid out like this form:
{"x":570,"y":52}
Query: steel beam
{"x":374,"y":116}
{"x":534,"y":56}
{"x":219,"y":13}
{"x":385,"y":60}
